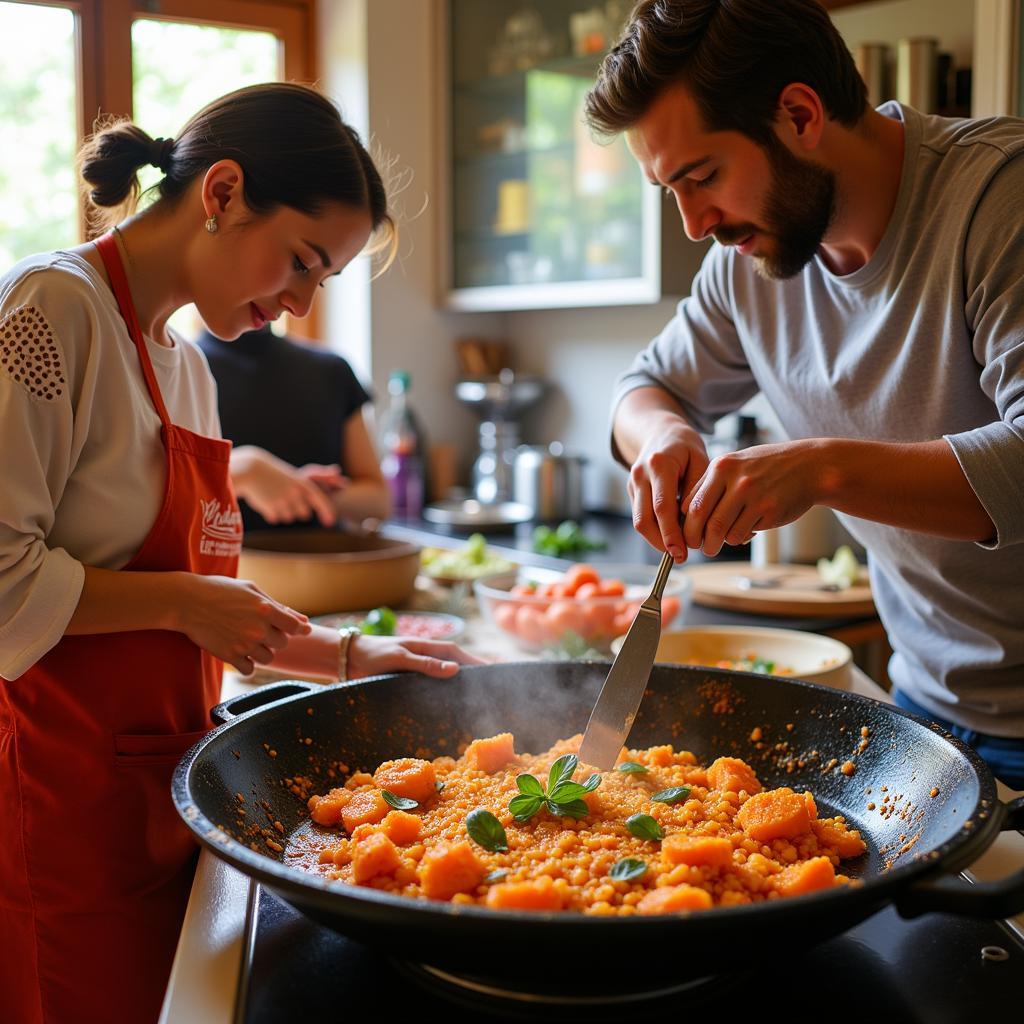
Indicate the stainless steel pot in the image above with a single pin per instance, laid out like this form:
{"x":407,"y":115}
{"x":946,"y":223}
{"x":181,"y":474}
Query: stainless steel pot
{"x":548,"y":481}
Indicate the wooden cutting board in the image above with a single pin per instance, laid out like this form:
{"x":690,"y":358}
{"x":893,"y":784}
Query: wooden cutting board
{"x":796,"y":590}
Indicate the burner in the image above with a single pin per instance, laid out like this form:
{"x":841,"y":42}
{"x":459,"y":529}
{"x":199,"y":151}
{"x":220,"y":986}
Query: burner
{"x":936,"y":969}
{"x":536,"y":1000}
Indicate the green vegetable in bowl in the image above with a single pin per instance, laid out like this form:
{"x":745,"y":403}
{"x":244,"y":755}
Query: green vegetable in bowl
{"x":380,"y":622}
{"x":471,"y":561}
{"x":841,"y":570}
{"x":566,"y":539}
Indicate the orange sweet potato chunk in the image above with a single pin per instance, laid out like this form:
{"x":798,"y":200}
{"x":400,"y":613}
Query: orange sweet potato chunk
{"x":491,"y":754}
{"x":326,"y":810}
{"x":446,"y":870}
{"x":810,"y":876}
{"x":777,"y":814}
{"x":536,"y":894}
{"x":409,"y":777}
{"x":375,"y":855}
{"x":730,"y":775}
{"x":697,"y":851}
{"x":843,"y":841}
{"x":365,"y":808}
{"x":401,"y":827}
{"x":671,"y":898}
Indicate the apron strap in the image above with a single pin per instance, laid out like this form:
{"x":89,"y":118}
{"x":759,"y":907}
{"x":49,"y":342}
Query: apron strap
{"x":119,"y":283}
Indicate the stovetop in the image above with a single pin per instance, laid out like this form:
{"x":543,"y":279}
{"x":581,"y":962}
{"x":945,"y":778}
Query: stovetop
{"x":937,"y":969}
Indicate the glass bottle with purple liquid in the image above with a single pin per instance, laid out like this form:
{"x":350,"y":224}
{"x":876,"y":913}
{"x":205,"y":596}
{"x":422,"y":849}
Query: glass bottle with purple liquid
{"x":404,"y":451}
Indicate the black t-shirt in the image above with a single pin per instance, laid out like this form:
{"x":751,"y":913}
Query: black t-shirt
{"x":291,"y":399}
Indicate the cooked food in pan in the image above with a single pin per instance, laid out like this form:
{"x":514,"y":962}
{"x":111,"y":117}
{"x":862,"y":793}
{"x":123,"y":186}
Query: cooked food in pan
{"x":659,"y":834}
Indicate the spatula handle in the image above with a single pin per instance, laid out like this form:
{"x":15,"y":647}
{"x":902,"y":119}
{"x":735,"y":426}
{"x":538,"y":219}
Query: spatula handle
{"x":662,"y":578}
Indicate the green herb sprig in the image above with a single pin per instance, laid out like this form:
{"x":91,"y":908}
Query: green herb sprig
{"x":563,"y":797}
{"x":485,"y":830}
{"x":632,"y":768}
{"x":400,"y":803}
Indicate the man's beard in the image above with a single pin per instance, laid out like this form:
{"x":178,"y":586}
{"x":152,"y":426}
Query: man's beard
{"x":798,"y":209}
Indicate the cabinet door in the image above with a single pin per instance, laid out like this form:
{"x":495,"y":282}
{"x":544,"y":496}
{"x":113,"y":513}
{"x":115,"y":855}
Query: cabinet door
{"x":539,"y":213}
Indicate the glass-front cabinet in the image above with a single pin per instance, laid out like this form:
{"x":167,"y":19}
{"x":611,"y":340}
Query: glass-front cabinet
{"x":540,"y":215}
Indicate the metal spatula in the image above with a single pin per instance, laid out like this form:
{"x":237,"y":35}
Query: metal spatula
{"x":616,"y":707}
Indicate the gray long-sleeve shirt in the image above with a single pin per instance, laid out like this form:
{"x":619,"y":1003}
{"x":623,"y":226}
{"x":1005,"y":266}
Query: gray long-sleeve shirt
{"x":926,"y":340}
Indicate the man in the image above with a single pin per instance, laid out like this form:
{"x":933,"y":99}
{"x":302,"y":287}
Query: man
{"x":869,"y":280}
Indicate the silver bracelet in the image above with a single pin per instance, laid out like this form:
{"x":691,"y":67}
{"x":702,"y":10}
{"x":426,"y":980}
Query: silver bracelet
{"x":345,"y":635}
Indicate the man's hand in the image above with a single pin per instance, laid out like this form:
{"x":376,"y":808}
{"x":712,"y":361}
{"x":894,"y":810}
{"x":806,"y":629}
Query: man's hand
{"x":670,"y":463}
{"x":753,"y":489}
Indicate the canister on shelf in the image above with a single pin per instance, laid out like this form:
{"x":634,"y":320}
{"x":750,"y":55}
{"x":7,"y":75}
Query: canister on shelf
{"x":917,"y":73}
{"x":872,"y":60}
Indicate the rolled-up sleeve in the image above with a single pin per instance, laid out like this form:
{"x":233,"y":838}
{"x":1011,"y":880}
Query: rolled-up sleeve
{"x":992,"y":456}
{"x":697,"y":358}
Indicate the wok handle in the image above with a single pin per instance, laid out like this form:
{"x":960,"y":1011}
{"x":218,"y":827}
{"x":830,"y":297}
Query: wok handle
{"x":261,"y":698}
{"x":978,"y":899}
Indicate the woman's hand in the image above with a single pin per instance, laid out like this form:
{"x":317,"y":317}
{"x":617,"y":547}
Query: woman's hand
{"x":372,"y":655}
{"x":283,"y":493}
{"x":670,"y":463}
{"x":753,"y":489}
{"x":233,"y":619}
{"x":329,"y":479}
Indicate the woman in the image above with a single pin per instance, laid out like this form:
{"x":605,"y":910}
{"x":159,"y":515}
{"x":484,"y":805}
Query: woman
{"x":119,"y":531}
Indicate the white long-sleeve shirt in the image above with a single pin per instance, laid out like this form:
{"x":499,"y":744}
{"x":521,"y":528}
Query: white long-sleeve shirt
{"x":81,"y":461}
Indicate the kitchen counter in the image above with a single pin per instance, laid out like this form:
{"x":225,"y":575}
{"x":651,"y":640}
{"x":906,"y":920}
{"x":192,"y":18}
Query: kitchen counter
{"x":205,"y":974}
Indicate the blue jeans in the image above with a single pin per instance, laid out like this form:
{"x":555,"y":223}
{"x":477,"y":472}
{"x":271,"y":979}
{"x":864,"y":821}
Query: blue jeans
{"x":1003,"y":755}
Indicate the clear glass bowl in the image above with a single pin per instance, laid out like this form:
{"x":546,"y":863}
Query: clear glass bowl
{"x":576,"y":625}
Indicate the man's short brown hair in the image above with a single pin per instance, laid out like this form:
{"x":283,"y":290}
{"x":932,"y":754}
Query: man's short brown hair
{"x":735,"y":57}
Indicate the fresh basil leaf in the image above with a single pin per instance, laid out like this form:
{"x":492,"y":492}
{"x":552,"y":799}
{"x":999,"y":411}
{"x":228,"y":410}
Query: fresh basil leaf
{"x":671,"y":796}
{"x":485,"y":830}
{"x":643,"y":826}
{"x":572,"y":809}
{"x":524,"y":807}
{"x":400,"y":803}
{"x":592,"y":783}
{"x":629,"y":869}
{"x":631,"y":768}
{"x":529,"y":785}
{"x":565,"y":792}
{"x":495,"y":876}
{"x":562,"y":770}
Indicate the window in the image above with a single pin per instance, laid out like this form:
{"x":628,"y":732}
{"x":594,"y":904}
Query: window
{"x":157,"y":61}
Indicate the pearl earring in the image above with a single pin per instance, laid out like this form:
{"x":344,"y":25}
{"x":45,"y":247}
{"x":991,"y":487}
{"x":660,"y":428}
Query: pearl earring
{"x":211,"y":224}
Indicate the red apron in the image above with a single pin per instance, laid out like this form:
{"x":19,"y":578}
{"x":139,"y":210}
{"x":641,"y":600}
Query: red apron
{"x":95,"y":865}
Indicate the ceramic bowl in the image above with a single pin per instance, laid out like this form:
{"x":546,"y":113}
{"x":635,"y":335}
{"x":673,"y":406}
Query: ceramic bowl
{"x":321,"y":571}
{"x":788,"y":652}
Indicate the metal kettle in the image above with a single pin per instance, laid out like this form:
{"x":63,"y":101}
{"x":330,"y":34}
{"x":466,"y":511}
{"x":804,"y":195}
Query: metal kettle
{"x":549,"y":481}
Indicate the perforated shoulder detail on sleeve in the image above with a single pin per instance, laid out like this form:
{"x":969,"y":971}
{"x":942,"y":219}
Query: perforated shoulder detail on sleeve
{"x":29,"y":354}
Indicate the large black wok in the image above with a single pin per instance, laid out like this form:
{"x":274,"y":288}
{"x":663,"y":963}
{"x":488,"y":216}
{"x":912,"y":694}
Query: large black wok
{"x":711,"y":713}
